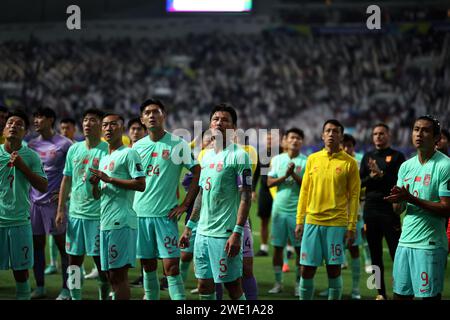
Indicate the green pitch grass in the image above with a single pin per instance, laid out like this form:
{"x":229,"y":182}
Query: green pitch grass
{"x":262,"y":270}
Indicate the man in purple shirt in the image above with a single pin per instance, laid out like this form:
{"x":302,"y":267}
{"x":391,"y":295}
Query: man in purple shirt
{"x":52,"y":149}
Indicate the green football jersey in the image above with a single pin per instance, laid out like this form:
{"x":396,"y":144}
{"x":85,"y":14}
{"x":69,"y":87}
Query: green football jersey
{"x":221,"y":177}
{"x":78,"y":161}
{"x":117,"y":203}
{"x":286,"y":200}
{"x":163,"y":162}
{"x":423,"y":229}
{"x":15,"y":187}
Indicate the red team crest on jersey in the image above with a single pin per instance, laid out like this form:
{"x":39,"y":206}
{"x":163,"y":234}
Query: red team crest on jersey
{"x":298,"y":169}
{"x":95,"y":162}
{"x":338,"y":170}
{"x":426,"y":180}
{"x":219,"y":166}
{"x":388,"y":159}
{"x":165,"y":154}
{"x":111,"y":166}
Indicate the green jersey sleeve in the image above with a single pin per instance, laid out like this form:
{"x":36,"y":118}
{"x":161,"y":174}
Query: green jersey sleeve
{"x":135,"y":165}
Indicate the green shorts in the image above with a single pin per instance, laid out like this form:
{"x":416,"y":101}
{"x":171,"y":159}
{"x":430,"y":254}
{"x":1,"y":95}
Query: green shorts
{"x":16,"y":248}
{"x":211,"y":261}
{"x":117,"y":248}
{"x":283,"y":228}
{"x":83,"y":237}
{"x":419,"y":272}
{"x":190,"y":249}
{"x":157,"y":238}
{"x":322,"y":243}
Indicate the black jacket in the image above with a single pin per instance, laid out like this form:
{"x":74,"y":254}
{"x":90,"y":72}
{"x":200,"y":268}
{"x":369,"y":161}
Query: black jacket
{"x":389,"y":161}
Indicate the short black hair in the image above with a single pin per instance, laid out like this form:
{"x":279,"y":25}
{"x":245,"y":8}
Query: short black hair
{"x":349,"y":138}
{"x":114,"y":114}
{"x":381,"y":124}
{"x":20,"y":114}
{"x":296,"y":131}
{"x":434,"y":121}
{"x":98,"y":113}
{"x":445,"y":133}
{"x":335,"y":122}
{"x":138,"y":121}
{"x":225,"y":107}
{"x":150,"y":101}
{"x":68,"y":120}
{"x":45,"y":112}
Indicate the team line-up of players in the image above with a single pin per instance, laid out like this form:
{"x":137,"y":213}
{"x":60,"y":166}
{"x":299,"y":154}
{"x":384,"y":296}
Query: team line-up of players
{"x":122,"y":205}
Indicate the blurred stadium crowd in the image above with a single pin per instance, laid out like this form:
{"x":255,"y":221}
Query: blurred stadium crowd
{"x":277,"y":79}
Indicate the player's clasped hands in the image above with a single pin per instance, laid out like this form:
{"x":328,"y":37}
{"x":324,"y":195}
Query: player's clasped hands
{"x":98,"y":175}
{"x":290,"y":170}
{"x":399,"y":194}
{"x":375,"y":171}
{"x":16,"y":160}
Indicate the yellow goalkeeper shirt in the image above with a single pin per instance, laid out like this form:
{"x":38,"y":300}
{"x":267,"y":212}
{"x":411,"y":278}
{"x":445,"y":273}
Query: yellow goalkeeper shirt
{"x":329,"y":195}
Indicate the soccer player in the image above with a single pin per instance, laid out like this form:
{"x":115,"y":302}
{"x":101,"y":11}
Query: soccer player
{"x":20,"y":168}
{"x":3,"y":118}
{"x":163,"y":156}
{"x":52,"y":149}
{"x":83,"y":225}
{"x":378,"y":172}
{"x":329,"y":200}
{"x":221,"y":209}
{"x":121,"y":174}
{"x":68,"y":128}
{"x":286,"y":173}
{"x":136,"y":130}
{"x":423,"y":190}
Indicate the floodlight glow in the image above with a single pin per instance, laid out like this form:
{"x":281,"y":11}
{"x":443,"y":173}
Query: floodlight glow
{"x":208,"y":5}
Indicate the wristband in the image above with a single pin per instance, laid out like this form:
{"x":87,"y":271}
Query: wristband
{"x":191,"y":224}
{"x":238,"y":229}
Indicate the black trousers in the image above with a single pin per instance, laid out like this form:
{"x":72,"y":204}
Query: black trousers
{"x":377,"y":228}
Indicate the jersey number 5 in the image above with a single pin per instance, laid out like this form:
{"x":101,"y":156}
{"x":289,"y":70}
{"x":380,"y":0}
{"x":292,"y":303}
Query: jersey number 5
{"x":208,"y":184}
